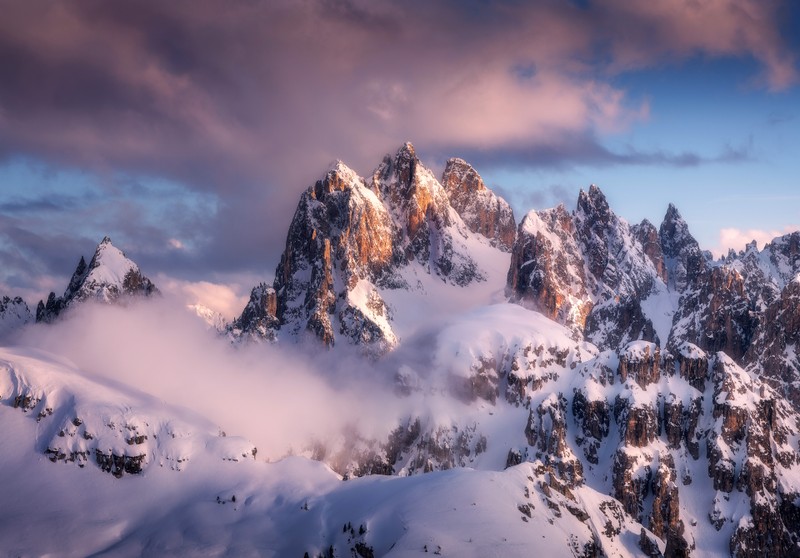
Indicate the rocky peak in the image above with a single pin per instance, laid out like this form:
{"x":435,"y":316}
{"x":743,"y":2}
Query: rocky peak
{"x":259,"y":318}
{"x":547,"y":270}
{"x":481,"y":209}
{"x":340,"y":234}
{"x":587,"y":270}
{"x":647,"y":235}
{"x":349,"y":238}
{"x":339,"y":178}
{"x":593,"y":206}
{"x":413,"y":196}
{"x":109,"y":276}
{"x":14,"y":313}
{"x":685,"y":261}
{"x":460,"y":176}
{"x":79,"y":276}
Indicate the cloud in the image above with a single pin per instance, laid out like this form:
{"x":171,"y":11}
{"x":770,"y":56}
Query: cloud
{"x":288,"y":85}
{"x":678,"y":29}
{"x":247,"y":106}
{"x":588,"y":150}
{"x":736,"y":239}
{"x":227,"y":299}
{"x":282,"y":398}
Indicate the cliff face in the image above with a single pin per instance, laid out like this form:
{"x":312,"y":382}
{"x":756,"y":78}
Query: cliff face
{"x":351,"y":239}
{"x":587,"y":269}
{"x":341,"y":235}
{"x":481,"y":209}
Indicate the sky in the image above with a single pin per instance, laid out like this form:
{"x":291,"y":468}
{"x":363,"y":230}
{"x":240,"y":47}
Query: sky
{"x":187,"y":130}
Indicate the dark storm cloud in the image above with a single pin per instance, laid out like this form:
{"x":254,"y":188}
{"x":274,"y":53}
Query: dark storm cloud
{"x":37,"y":254}
{"x":587,"y":150}
{"x":56,"y":203}
{"x":247,"y":101}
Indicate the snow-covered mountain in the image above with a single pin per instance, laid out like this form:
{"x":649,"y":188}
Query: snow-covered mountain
{"x":14,"y":314}
{"x":352,"y":241}
{"x":109,"y":277}
{"x":572,"y":385}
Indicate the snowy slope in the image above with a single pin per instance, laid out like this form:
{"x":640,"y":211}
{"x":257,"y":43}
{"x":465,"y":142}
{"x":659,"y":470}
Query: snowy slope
{"x":14,"y":314}
{"x":109,"y":277}
{"x":636,"y":398}
{"x":200,"y":492}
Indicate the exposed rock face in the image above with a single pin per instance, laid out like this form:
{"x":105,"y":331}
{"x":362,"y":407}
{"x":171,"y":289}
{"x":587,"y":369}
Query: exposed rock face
{"x":648,"y":236}
{"x":14,"y":314}
{"x":641,"y":361}
{"x":716,"y":316}
{"x":259,"y":317}
{"x":684,"y":260}
{"x":585,"y":269}
{"x":481,"y":209}
{"x":594,"y":418}
{"x":774,"y":352}
{"x":110,"y":277}
{"x":547,"y":432}
{"x":341,"y":234}
{"x":691,"y":364}
{"x":429,"y":230}
{"x":665,"y":520}
{"x":350,"y":239}
{"x":547,"y":270}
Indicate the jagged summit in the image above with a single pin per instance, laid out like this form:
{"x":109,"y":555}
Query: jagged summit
{"x":593,"y":204}
{"x":109,"y":276}
{"x":586,"y":269}
{"x":684,"y":259}
{"x":14,"y":313}
{"x":675,"y":235}
{"x":482,"y":210}
{"x":351,"y":238}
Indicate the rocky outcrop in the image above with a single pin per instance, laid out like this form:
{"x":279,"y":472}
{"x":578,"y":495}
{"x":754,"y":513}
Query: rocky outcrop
{"x":14,"y":313}
{"x":351,"y":238}
{"x":641,"y":362}
{"x":691,"y":364}
{"x":585,"y":269}
{"x":482,"y":210}
{"x":716,"y":316}
{"x":649,"y":238}
{"x":685,"y":262}
{"x":110,"y":277}
{"x":775,"y":351}
{"x":547,"y":271}
{"x":259,"y":318}
{"x":594,"y":419}
{"x":664,"y":520}
{"x":546,"y":432}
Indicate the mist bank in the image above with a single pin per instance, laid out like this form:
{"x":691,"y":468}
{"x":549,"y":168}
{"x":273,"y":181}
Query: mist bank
{"x":285,"y":398}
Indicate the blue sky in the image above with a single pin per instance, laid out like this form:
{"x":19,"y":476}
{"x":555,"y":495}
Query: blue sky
{"x":187,"y":134}
{"x":748,"y":137}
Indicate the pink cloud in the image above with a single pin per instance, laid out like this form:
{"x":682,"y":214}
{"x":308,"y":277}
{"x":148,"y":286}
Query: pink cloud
{"x":251,"y":102}
{"x":736,"y":239}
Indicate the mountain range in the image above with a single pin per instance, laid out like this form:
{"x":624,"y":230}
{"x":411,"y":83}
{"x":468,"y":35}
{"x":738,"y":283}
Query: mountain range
{"x":569,"y":383}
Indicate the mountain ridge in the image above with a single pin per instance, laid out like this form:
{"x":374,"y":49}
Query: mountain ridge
{"x":647,"y":390}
